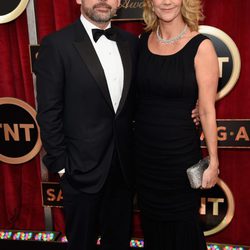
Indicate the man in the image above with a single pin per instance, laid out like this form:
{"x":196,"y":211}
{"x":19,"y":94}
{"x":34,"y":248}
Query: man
{"x":84,"y":94}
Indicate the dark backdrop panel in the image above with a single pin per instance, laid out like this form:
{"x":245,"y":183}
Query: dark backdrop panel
{"x":232,"y":17}
{"x":20,"y":195}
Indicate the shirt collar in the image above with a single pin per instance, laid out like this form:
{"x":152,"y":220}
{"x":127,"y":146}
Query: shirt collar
{"x":89,"y":26}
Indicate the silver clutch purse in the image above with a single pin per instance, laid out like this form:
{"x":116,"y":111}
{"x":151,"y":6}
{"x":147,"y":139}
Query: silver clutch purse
{"x":196,"y":171}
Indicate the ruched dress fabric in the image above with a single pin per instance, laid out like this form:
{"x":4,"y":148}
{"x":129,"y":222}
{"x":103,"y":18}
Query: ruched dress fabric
{"x":166,"y":144}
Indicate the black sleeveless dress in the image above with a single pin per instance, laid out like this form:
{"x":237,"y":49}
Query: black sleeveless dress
{"x":166,"y":144}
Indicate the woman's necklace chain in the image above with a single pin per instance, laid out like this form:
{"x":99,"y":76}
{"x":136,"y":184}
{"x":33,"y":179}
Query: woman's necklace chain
{"x":171,"y":40}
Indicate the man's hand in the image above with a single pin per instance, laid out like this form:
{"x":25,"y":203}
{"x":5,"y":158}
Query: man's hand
{"x":195,"y":114}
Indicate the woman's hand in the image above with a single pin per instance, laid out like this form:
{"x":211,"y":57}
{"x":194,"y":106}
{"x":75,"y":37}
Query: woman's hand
{"x":210,"y":176}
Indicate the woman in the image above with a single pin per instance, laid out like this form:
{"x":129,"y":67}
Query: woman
{"x":177,"y":66}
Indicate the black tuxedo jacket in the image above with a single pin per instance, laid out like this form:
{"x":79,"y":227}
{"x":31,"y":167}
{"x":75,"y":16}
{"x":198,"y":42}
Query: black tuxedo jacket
{"x":79,"y":128}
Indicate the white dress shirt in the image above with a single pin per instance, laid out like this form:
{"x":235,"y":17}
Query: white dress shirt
{"x":111,"y":62}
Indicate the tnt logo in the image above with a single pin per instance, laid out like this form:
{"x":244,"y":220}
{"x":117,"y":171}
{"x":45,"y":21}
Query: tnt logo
{"x":228,"y":58}
{"x":216,"y":208}
{"x":19,"y":132}
{"x":9,"y":10}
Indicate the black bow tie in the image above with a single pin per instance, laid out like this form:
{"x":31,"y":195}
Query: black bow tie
{"x":109,"y":33}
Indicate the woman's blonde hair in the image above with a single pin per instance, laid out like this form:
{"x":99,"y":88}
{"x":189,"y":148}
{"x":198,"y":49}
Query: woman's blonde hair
{"x":191,"y":11}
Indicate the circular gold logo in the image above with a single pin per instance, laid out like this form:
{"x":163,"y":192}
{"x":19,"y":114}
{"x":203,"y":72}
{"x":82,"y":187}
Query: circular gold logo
{"x":11,"y":9}
{"x":19,"y":131}
{"x":228,"y":57}
{"x":217,"y":208}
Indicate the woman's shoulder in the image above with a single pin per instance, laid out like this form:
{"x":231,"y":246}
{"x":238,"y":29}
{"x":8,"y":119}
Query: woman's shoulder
{"x":206,"y":50}
{"x":204,"y":42}
{"x":197,"y":41}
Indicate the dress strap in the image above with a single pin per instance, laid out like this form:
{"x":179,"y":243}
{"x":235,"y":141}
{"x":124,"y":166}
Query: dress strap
{"x":194,"y":43}
{"x":143,"y":40}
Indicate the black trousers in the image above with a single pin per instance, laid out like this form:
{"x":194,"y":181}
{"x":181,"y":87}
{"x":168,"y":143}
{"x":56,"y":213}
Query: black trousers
{"x":106,"y":214}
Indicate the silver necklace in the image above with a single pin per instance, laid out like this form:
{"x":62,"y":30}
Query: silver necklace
{"x":171,"y":40}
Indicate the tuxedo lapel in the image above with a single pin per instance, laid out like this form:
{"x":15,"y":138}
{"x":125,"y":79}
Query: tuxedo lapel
{"x":125,"y":53}
{"x":91,"y":60}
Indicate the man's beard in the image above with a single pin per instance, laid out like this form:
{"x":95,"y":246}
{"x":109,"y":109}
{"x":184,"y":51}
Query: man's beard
{"x":100,"y":17}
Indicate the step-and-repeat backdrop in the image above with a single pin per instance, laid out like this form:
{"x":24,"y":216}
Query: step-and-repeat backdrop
{"x":223,"y":209}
